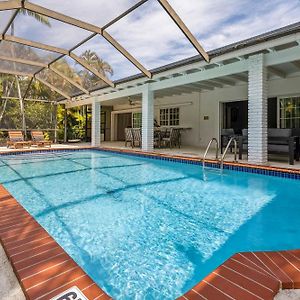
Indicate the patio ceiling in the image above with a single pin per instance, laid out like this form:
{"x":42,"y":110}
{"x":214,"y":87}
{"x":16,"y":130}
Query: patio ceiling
{"x":280,"y":71}
{"x":38,"y":60}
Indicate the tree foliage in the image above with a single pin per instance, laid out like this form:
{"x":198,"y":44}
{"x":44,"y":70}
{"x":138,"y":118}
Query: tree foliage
{"x":38,"y":115}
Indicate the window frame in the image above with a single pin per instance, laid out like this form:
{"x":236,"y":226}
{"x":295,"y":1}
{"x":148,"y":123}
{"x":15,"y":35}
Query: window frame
{"x":171,"y":116}
{"x":294,"y":114}
{"x":135,"y":120}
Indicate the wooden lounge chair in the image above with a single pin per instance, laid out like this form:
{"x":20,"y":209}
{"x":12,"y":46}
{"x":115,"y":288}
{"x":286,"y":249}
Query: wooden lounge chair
{"x":38,"y":139}
{"x":16,"y":140}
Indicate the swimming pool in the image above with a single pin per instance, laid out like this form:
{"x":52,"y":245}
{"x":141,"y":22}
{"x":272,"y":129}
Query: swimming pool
{"x":151,"y":229}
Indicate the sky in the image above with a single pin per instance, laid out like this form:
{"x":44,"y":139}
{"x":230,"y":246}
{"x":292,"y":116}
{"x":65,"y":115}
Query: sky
{"x":150,"y":35}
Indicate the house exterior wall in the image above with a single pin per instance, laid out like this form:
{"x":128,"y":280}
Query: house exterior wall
{"x":195,"y":106}
{"x":210,"y":103}
{"x":188,"y":114}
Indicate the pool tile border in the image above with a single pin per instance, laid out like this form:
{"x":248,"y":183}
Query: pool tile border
{"x":240,"y":167}
{"x":42,"y":267}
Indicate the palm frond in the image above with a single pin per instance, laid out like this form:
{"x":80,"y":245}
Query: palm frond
{"x":40,"y":18}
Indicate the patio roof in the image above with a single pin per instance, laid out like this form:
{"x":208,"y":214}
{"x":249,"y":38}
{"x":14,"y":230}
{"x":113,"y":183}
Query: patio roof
{"x":38,"y":60}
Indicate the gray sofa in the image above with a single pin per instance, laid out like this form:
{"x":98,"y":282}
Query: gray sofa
{"x":280,"y":141}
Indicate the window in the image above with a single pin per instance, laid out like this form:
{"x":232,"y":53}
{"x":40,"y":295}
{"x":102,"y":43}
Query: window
{"x":164,"y":118}
{"x":137,"y":120}
{"x":289,"y":112}
{"x":103,"y":122}
{"x":169,"y":116}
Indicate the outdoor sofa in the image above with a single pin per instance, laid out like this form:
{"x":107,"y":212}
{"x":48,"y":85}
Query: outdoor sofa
{"x":280,"y":141}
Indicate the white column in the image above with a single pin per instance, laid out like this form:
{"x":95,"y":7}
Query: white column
{"x":257,"y":111}
{"x":96,"y":124}
{"x":147,"y":119}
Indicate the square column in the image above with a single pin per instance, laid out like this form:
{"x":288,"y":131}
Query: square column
{"x":257,"y":111}
{"x":147,"y":119}
{"x":96,"y":123}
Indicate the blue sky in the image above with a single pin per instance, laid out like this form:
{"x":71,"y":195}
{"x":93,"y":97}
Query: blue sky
{"x":150,"y":35}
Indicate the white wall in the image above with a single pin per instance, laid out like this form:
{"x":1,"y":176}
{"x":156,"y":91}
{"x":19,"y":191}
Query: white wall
{"x":188,"y":109}
{"x":210,"y":103}
{"x":193,"y":107}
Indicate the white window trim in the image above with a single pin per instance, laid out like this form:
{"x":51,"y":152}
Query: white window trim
{"x":278,"y":105}
{"x":168,"y":108}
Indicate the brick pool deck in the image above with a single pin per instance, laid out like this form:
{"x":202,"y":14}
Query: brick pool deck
{"x":42,"y":267}
{"x":45,"y":270}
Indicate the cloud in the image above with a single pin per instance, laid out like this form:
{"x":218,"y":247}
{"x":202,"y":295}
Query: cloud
{"x":150,"y":35}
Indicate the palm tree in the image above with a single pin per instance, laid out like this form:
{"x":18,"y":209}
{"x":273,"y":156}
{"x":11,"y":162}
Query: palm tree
{"x":44,"y":20}
{"x":103,"y":67}
{"x":98,"y":63}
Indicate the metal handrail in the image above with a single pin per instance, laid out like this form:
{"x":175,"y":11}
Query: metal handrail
{"x":207,"y":148}
{"x":233,"y":139}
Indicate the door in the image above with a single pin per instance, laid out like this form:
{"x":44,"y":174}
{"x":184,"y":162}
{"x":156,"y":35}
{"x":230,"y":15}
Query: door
{"x":123,"y":121}
{"x":236,"y":115}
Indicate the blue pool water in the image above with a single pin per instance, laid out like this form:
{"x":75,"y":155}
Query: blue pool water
{"x":151,"y":229}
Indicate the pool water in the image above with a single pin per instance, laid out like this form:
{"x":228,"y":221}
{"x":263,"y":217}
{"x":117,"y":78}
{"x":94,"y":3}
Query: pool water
{"x":151,"y":229}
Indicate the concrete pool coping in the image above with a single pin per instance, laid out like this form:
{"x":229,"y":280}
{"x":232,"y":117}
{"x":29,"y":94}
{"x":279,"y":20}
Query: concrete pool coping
{"x":44,"y":269}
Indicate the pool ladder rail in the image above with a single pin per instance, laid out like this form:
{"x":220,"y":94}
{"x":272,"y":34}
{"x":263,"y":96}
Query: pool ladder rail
{"x":232,"y":140}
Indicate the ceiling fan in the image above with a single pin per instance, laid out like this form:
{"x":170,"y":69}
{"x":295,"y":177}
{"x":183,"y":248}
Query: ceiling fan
{"x":132,"y":102}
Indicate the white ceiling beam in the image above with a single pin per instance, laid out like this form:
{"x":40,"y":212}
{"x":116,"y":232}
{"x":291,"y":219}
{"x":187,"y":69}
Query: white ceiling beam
{"x":236,"y":67}
{"x":200,"y":86}
{"x":213,"y":84}
{"x":277,"y":72}
{"x":174,"y":16}
{"x":224,"y":81}
{"x":210,"y":84}
{"x":183,"y":89}
{"x":282,"y":56}
{"x":240,"y":77}
{"x":119,"y":94}
{"x":296,"y":63}
{"x":75,"y":103}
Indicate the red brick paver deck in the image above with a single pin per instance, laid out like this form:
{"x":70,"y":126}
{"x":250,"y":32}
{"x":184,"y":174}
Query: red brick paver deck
{"x":42,"y":267}
{"x":250,"y":276}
